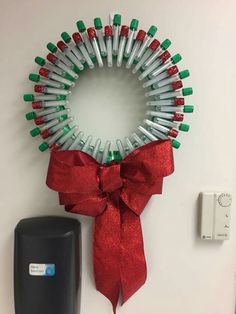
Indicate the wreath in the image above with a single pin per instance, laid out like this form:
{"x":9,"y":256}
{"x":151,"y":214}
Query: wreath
{"x":111,"y":46}
{"x":111,"y":186}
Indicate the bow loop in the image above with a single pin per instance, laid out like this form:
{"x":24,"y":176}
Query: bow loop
{"x":110,"y":179}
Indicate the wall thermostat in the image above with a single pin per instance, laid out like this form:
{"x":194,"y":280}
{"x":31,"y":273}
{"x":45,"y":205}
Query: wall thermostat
{"x":215,"y":215}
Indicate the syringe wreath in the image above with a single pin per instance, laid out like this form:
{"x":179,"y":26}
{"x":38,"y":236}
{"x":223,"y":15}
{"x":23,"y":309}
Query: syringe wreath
{"x":96,"y":46}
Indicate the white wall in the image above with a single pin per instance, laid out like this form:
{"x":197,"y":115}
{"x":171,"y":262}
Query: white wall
{"x":185,"y":275}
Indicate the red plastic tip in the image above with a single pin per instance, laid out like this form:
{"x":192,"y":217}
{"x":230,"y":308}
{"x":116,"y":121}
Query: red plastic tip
{"x":54,"y":147}
{"x":38,"y":120}
{"x":124,"y":31}
{"x":52,"y":58}
{"x":77,"y":37}
{"x":173,"y":70}
{"x":44,"y":72}
{"x":154,"y":44}
{"x":177,"y":85}
{"x":173,"y":133}
{"x":61,"y":45}
{"x":179,"y":101}
{"x":45,"y":134}
{"x":39,"y":88}
{"x":178,"y":116}
{"x":141,"y":35}
{"x":37,"y":104}
{"x":165,"y":56}
{"x":108,"y":30}
{"x":91,"y":32}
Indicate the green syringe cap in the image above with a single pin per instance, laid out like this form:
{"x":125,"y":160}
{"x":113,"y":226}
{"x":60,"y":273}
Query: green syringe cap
{"x":109,"y":157}
{"x":117,"y":156}
{"x":188,"y":108}
{"x":43,"y":146}
{"x":98,"y":23}
{"x":184,"y":74}
{"x":187,"y":91}
{"x":28,"y":97}
{"x":69,"y":77}
{"x":165,"y":44}
{"x":30,"y":115}
{"x":61,"y":97}
{"x":51,"y":47}
{"x":176,"y":58}
{"x":117,"y":19}
{"x":40,"y":61}
{"x":63,"y":117}
{"x":80,"y":25}
{"x":152,"y":31}
{"x":34,"y":132}
{"x":66,"y":129}
{"x":34,"y":77}
{"x":134,"y":24}
{"x":66,"y":37}
{"x":183,"y":127}
{"x":175,"y":144}
{"x":59,"y":108}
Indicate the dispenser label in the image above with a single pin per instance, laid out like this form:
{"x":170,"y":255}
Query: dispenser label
{"x":42,"y":269}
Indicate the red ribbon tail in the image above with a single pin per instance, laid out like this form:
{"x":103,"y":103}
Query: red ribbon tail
{"x":106,"y":253}
{"x":119,"y":261}
{"x":133,"y":263}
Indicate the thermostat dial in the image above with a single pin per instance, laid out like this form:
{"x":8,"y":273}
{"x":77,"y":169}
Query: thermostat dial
{"x":225,"y":200}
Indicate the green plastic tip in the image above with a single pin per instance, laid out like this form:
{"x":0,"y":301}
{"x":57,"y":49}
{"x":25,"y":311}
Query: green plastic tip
{"x":117,"y":19}
{"x":184,"y":74}
{"x":165,"y":44}
{"x":68,"y":77}
{"x":80,"y":25}
{"x":51,"y":47}
{"x":44,"y":146}
{"x":85,"y":64}
{"x":176,"y":58}
{"x":98,"y":23}
{"x":76,"y":69}
{"x":66,"y":129}
{"x":40,"y":61}
{"x":34,"y":77}
{"x":183,"y":127}
{"x":66,"y":37}
{"x":28,"y":97}
{"x":175,"y":144}
{"x":63,"y":117}
{"x":152,"y":31}
{"x":34,"y":132}
{"x":187,"y":91}
{"x":134,"y":24}
{"x":61,"y":97}
{"x":109,"y":157}
{"x":59,"y":108}
{"x":30,"y":115}
{"x":188,"y":108}
{"x":117,"y":156}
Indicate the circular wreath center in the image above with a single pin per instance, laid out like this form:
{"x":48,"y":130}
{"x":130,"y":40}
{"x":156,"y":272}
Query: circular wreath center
{"x":108,"y":103}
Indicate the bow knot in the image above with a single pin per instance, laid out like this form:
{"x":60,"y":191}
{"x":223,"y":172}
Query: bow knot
{"x":110,"y":179}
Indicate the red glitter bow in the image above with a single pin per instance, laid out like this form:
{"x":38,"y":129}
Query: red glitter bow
{"x":115,"y":195}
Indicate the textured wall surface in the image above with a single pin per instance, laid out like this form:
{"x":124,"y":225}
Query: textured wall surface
{"x":185,"y":275}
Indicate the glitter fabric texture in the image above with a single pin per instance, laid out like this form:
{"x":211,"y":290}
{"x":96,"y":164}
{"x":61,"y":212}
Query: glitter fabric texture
{"x":115,"y":195}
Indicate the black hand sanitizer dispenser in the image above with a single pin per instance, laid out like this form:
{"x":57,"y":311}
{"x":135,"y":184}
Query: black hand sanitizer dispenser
{"x":46,"y":265}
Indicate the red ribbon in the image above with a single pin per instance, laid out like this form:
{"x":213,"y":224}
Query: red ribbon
{"x":115,"y":195}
